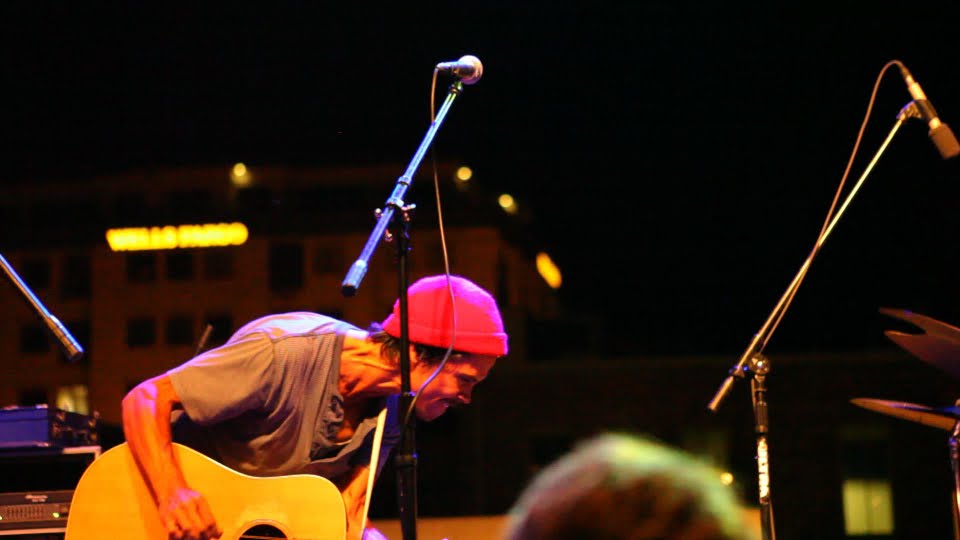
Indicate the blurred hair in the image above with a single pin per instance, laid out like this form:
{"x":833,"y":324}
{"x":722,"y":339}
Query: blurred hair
{"x":390,"y":347}
{"x":626,"y":488}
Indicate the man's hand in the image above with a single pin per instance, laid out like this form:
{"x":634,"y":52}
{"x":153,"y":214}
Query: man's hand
{"x":371,"y":533}
{"x":353,"y":489}
{"x":187,"y":516}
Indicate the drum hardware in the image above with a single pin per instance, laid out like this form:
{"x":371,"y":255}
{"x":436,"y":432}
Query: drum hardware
{"x":938,"y":345}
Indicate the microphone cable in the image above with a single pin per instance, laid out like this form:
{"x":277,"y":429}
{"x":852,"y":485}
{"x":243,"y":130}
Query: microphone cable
{"x":830,"y":213}
{"x":446,"y":261}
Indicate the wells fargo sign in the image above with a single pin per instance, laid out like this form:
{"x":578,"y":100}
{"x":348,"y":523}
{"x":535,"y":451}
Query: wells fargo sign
{"x":177,"y":236}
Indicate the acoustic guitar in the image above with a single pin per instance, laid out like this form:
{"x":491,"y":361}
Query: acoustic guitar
{"x":112,"y":502}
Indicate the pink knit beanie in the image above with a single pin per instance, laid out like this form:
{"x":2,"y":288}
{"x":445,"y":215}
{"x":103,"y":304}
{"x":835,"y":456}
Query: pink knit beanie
{"x":479,"y":326}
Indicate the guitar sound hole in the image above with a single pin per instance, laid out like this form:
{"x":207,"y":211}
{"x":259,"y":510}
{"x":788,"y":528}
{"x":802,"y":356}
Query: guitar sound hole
{"x":262,"y":531}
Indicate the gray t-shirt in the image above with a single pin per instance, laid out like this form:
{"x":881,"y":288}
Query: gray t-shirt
{"x":267,"y":402}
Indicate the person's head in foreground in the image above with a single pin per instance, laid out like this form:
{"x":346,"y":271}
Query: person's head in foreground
{"x":626,"y":488}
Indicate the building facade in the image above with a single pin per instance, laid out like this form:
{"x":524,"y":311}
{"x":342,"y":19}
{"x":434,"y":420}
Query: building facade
{"x":139,"y":312}
{"x":836,"y":471}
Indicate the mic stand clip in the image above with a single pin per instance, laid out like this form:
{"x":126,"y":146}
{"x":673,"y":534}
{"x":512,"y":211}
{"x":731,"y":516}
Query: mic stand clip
{"x":910,"y":110}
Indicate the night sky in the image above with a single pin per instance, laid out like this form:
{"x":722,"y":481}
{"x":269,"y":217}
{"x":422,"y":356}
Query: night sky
{"x":678,"y":157}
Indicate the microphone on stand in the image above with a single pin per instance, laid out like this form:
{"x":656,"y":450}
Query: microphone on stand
{"x":940,"y":133}
{"x":468,"y":69}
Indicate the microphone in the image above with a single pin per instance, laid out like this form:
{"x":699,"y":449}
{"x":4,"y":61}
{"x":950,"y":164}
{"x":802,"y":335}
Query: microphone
{"x":468,"y":69}
{"x":940,"y":133}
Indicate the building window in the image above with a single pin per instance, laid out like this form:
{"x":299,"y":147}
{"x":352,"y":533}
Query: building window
{"x":141,"y":332}
{"x":867,"y":507}
{"x":329,"y":260}
{"x":141,"y":267}
{"x":867,"y":491}
{"x":76,"y":277}
{"x":36,"y":272}
{"x":218,"y":263}
{"x":74,"y":398}
{"x":180,"y":265}
{"x":34,"y":339}
{"x":222,"y":324}
{"x":286,"y":266}
{"x":179,"y":330}
{"x":334,"y":312}
{"x":35,"y":395}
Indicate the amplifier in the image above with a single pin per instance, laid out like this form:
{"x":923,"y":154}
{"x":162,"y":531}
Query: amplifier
{"x":45,"y":468}
{"x":41,"y":426}
{"x":33,"y":511}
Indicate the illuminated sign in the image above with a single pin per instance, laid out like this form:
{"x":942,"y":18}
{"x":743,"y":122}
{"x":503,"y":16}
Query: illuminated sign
{"x":177,"y":236}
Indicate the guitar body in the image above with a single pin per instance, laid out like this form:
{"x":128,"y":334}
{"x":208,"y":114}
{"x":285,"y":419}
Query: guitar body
{"x":112,"y":502}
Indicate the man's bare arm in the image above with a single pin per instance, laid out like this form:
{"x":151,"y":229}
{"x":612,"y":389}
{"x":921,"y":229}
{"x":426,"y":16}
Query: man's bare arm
{"x":147,"y":413}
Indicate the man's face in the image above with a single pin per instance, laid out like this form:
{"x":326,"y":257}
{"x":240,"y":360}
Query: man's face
{"x":452,"y":387}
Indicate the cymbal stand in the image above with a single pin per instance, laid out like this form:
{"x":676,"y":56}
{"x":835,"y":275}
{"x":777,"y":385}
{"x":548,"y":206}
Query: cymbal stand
{"x":954,"y":442}
{"x":760,"y":368}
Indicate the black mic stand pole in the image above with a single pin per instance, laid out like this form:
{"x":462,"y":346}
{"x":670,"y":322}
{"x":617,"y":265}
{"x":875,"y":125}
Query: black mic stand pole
{"x":760,"y":367}
{"x":406,"y":457}
{"x":955,"y":468}
{"x":757,"y":366}
{"x":71,"y":347}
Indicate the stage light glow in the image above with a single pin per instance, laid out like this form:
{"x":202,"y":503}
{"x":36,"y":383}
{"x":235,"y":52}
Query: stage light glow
{"x":549,"y":271}
{"x":179,"y":236}
{"x":726,"y":478}
{"x":508,"y":203}
{"x":240,"y":175}
{"x":464,"y":174}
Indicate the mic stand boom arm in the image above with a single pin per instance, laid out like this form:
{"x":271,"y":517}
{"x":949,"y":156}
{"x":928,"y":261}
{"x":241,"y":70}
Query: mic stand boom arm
{"x":359,"y":268}
{"x":761,"y":338}
{"x":406,"y":457}
{"x":71,"y":347}
{"x":758,"y":366}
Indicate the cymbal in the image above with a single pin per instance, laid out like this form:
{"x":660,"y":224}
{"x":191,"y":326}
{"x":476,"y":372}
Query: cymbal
{"x":938,"y":417}
{"x":938,"y":344}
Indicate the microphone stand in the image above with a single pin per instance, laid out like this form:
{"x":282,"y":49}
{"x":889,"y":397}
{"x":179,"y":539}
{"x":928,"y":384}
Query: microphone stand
{"x":955,"y":468}
{"x":406,"y":457}
{"x":70,"y":346}
{"x":752,"y":362}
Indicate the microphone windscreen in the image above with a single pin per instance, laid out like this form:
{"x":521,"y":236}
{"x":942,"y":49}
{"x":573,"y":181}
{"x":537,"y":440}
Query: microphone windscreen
{"x":477,"y":69}
{"x":945,"y":141}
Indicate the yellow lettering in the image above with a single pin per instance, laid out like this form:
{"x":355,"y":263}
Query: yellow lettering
{"x":182,"y":236}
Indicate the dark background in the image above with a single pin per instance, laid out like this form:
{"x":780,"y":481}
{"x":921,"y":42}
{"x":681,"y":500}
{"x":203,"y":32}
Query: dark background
{"x":678,"y":158}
